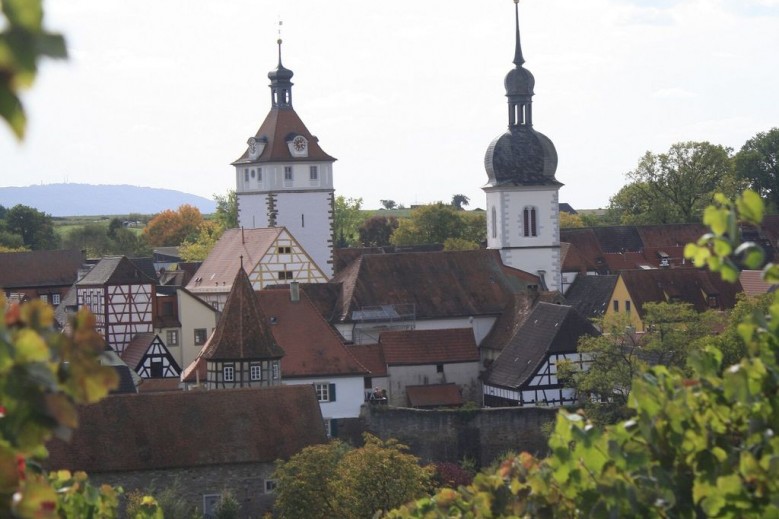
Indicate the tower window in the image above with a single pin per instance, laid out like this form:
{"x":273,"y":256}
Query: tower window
{"x":259,"y":174}
{"x":246,"y":175}
{"x":253,"y":173}
{"x":287,"y":172}
{"x":313,"y":173}
{"x":494,"y":216}
{"x":529,"y":224}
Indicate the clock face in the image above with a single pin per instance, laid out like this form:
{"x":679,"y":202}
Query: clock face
{"x":252,"y":142}
{"x":299,"y":143}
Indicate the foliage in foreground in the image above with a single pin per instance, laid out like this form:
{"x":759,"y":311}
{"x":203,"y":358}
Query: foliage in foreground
{"x":335,"y":480}
{"x":699,"y":445}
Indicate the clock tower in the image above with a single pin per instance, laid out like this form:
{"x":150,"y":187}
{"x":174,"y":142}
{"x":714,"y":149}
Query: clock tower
{"x":523,"y":215}
{"x":285,"y":179}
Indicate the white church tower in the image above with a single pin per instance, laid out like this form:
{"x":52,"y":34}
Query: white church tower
{"x":285,"y":179}
{"x":523,"y":220}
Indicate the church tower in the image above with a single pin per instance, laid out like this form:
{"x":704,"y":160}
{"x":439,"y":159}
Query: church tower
{"x":523,"y":220}
{"x":285,"y":179}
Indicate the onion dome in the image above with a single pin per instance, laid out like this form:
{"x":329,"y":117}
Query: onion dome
{"x":280,"y":84}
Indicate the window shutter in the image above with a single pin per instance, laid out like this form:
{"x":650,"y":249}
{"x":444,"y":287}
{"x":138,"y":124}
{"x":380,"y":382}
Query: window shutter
{"x":333,"y":427}
{"x":332,"y":392}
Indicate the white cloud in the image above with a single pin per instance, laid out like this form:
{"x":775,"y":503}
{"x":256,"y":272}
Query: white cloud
{"x":673,"y":93}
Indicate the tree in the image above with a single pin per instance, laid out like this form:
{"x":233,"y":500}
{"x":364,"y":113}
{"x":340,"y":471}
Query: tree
{"x":700,"y":444}
{"x":757,"y":163}
{"x":35,"y":227}
{"x":377,"y":231}
{"x":682,"y":181}
{"x":91,"y":238}
{"x":23,"y":42}
{"x":631,"y":206}
{"x":459,"y":201}
{"x":197,"y":248}
{"x":388,"y":204}
{"x":569,"y":221}
{"x":171,"y":228}
{"x":436,"y":223}
{"x":335,"y":480}
{"x":347,"y":218}
{"x":227,"y":210}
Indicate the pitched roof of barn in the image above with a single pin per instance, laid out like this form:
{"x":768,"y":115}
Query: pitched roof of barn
{"x":415,"y":347}
{"x":182,"y":429}
{"x":39,"y":268}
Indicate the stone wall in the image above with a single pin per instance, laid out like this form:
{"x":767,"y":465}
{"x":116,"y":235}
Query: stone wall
{"x":452,"y":435}
{"x":245,"y":481}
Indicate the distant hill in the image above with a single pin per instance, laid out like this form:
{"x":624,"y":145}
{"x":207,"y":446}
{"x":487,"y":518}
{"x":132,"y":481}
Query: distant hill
{"x":93,"y":200}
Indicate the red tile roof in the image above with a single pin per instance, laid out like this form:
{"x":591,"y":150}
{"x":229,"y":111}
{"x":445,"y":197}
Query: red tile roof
{"x":279,"y":125}
{"x":753,"y":283}
{"x":415,"y":347}
{"x":40,"y":268}
{"x":311,"y":346}
{"x":191,"y":429}
{"x":243,"y":330}
{"x":434,"y":395}
{"x":216,"y":273}
{"x":134,"y":352}
{"x":370,"y":356}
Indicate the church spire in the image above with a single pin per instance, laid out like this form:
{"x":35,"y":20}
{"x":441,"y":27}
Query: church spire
{"x":281,"y":84}
{"x":519,"y":85}
{"x":518,"y":58}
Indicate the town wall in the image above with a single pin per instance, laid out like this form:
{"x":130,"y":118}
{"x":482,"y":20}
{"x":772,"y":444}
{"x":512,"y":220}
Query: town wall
{"x":480,"y":435}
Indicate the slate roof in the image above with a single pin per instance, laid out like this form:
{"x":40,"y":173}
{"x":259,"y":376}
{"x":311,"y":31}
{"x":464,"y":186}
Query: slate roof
{"x":591,"y":295}
{"x":115,"y":270}
{"x":216,"y":273}
{"x":311,"y":346}
{"x":279,"y":126}
{"x":684,"y":285}
{"x":371,"y":356}
{"x":40,"y":268}
{"x":434,"y":395}
{"x":243,"y":331}
{"x":505,"y":327}
{"x":438,"y":284}
{"x":416,"y":347}
{"x":549,"y":329}
{"x":191,"y":429}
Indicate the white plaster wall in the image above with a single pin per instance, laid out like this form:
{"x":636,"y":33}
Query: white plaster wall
{"x":349,"y":394}
{"x":368,"y":333}
{"x":308,"y":217}
{"x":192,"y":314}
{"x":461,"y":373}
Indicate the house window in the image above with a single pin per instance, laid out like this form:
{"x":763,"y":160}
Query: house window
{"x":275,"y":370}
{"x":167,"y":308}
{"x":200,"y":336}
{"x":246,"y":175}
{"x":713,"y":302}
{"x":439,"y":368}
{"x":287,"y":172}
{"x":156,"y":368}
{"x":529,"y":224}
{"x":325,"y":392}
{"x":173,"y":338}
{"x":627,"y":306}
{"x":285,"y":250}
{"x":285,"y":274}
{"x":228,"y":373}
{"x":313,"y":173}
{"x":616,"y":305}
{"x":255,"y":372}
{"x":45,"y":298}
{"x":55,"y":299}
{"x":270,"y":486}
{"x":210,"y":503}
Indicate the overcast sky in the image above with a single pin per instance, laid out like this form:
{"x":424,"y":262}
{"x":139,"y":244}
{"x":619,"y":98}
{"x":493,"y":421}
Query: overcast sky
{"x":407,"y":94}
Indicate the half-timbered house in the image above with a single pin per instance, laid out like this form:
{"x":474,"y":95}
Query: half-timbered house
{"x":122,"y":298}
{"x":41,"y":274}
{"x":150,"y":358}
{"x":525,"y":372}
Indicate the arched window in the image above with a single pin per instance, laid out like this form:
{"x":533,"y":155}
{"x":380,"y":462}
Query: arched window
{"x":494,"y":223}
{"x":529,"y":222}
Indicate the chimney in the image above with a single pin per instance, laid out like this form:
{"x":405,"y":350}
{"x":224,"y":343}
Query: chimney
{"x":294,"y":291}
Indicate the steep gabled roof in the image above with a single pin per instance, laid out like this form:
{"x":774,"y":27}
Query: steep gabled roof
{"x":139,"y":345}
{"x":438,"y":284}
{"x":216,"y":273}
{"x":591,"y":295}
{"x":311,"y":346}
{"x":243,"y":331}
{"x":278,"y":127}
{"x":115,"y":270}
{"x":370,"y":356}
{"x":416,"y":347}
{"x":39,"y":268}
{"x":549,"y":329}
{"x":191,"y":429}
{"x":683,"y":285}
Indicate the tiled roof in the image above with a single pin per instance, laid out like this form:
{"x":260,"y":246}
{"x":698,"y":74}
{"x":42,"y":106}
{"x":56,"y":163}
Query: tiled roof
{"x":438,"y":284}
{"x":115,"y":270}
{"x":683,"y":285}
{"x":591,"y":295}
{"x":279,"y":125}
{"x":39,"y":268}
{"x":191,"y":429}
{"x":434,"y":395}
{"x":618,"y":238}
{"x":134,"y":352}
{"x":415,"y":347}
{"x":548,"y":329}
{"x":753,"y":283}
{"x":311,"y":346}
{"x":370,"y":356}
{"x":585,"y":253}
{"x":223,"y":262}
{"x":243,"y":330}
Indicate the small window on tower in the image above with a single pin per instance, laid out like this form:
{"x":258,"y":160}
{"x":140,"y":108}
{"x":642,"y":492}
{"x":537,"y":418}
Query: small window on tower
{"x":287,"y":172}
{"x":253,"y":173}
{"x":259,"y":174}
{"x":313,"y":172}
{"x":245,"y":175}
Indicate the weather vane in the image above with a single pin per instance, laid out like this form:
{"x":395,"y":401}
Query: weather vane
{"x":281,"y":22}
